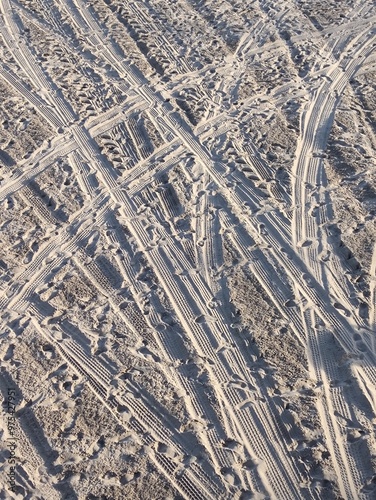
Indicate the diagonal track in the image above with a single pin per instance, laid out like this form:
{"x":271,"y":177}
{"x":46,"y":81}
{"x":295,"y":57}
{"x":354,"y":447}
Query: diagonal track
{"x":273,"y":245}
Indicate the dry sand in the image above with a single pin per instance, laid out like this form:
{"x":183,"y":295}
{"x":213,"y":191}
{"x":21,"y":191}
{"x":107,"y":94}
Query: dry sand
{"x":188,"y":263}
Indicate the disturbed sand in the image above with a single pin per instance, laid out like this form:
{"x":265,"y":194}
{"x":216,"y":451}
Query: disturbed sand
{"x":188,"y":264}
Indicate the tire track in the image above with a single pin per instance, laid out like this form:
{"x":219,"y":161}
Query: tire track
{"x":316,"y":124}
{"x":351,"y":471}
{"x":373,"y":299}
{"x":39,"y":104}
{"x":191,"y":482}
{"x":269,"y":233}
{"x":191,"y":144}
{"x":27,"y":292}
{"x":205,"y":159}
{"x":177,"y":288}
{"x":198,"y":401}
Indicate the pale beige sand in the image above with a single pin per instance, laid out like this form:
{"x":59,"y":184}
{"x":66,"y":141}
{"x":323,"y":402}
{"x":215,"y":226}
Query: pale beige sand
{"x":188,"y":263}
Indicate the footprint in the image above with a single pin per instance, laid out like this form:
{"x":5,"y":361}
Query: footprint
{"x":8,"y":204}
{"x":67,"y":386}
{"x":341,"y":308}
{"x":248,"y":403}
{"x":325,"y":256}
{"x":363,"y":310}
{"x":111,"y":479}
{"x":149,"y":355}
{"x":229,"y":476}
{"x":354,"y":435}
{"x":48,"y":351}
{"x":28,"y":257}
{"x":361,"y":346}
{"x":262,"y":230}
{"x":308,"y":280}
{"x":344,"y":420}
{"x":97,"y":447}
{"x":164,"y":449}
{"x":287,"y":253}
{"x":249,"y":465}
{"x":161,"y":448}
{"x":9,"y":354}
{"x":305,"y":243}
{"x":314,"y":211}
{"x":204,"y":318}
{"x":127,"y":478}
{"x":232,"y":444}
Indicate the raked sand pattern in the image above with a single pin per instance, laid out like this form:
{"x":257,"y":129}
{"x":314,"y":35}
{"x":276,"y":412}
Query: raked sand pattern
{"x":188,"y":264}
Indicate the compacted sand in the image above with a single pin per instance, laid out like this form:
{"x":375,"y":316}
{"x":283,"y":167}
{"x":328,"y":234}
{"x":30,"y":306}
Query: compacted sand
{"x":188,"y":291}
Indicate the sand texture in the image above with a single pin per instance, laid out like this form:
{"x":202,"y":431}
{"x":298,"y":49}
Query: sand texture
{"x":188,"y":249}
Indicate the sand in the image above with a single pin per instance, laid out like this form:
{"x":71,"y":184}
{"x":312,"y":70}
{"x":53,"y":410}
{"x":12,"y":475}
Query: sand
{"x":188,"y":249}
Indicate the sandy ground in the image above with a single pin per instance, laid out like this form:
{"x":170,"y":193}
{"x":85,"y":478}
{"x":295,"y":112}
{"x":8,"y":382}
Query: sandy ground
{"x":188,"y":263}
